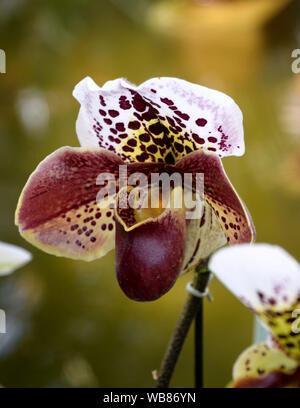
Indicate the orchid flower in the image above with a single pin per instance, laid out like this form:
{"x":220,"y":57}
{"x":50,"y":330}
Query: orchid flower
{"x":267,"y":280}
{"x":12,"y":258}
{"x":164,"y":125}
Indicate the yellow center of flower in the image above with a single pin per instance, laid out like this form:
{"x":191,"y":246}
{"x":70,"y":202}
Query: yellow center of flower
{"x":149,"y":212}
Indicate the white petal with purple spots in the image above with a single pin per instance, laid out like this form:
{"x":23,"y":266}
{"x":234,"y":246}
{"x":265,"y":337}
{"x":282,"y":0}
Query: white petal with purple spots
{"x":259,"y":274}
{"x":163,"y":119}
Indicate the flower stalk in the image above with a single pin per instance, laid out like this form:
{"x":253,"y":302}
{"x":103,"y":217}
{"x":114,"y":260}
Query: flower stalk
{"x":192,"y":307}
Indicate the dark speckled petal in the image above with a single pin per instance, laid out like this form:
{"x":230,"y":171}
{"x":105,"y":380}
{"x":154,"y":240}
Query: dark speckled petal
{"x":230,"y":210}
{"x":57,"y":210}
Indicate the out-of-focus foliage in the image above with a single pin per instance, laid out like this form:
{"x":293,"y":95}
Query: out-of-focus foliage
{"x":68,"y":322}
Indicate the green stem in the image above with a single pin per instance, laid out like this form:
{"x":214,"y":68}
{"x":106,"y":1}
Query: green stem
{"x":191,"y":307}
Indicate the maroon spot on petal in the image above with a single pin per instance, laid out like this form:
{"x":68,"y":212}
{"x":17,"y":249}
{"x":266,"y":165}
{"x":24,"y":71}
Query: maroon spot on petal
{"x":124,"y":103}
{"x":144,"y":137}
{"x":201,"y":122}
{"x":139,"y":103}
{"x":223,"y":143}
{"x":113,"y":113}
{"x":142,"y":157}
{"x":102,"y":112}
{"x":167,"y":101}
{"x":134,"y":125}
{"x":103,"y":227}
{"x":107,"y":121}
{"x":171,"y":121}
{"x":158,"y":128}
{"x":183,"y":116}
{"x":169,"y":159}
{"x":212,"y":139}
{"x":110,"y":227}
{"x":179,"y":147}
{"x":261,"y":296}
{"x":98,"y":215}
{"x":123,"y":135}
{"x":102,"y":101}
{"x":132,"y":142}
{"x":127,"y":149}
{"x":93,"y":239}
{"x":152,"y":149}
{"x":198,"y":139}
{"x":150,"y":114}
{"x":120,"y":127}
{"x":212,"y":149}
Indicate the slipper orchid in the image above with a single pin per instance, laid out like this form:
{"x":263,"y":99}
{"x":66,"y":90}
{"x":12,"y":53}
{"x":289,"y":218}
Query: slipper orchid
{"x":267,"y":280}
{"x":165,"y":125}
{"x":12,"y":258}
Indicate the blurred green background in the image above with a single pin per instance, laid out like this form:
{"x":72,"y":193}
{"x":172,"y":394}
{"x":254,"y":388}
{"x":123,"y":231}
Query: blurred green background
{"x":69,"y":324}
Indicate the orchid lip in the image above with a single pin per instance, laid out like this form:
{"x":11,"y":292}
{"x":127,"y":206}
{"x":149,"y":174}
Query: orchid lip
{"x":149,"y":257}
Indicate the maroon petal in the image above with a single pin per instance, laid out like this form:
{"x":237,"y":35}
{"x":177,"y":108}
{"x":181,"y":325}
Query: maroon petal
{"x":231,"y":211}
{"x":149,"y":257}
{"x":58,"y":211}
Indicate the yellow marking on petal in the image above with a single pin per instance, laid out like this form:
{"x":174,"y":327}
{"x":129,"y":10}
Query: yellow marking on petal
{"x":139,"y":216}
{"x":165,"y":144}
{"x":204,"y":236}
{"x":234,"y":224}
{"x":143,"y":213}
{"x":261,"y":359}
{"x":78,"y":234}
{"x":283,"y":325}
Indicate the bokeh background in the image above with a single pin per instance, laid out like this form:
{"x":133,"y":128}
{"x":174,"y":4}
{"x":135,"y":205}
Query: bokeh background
{"x":69,"y":324}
